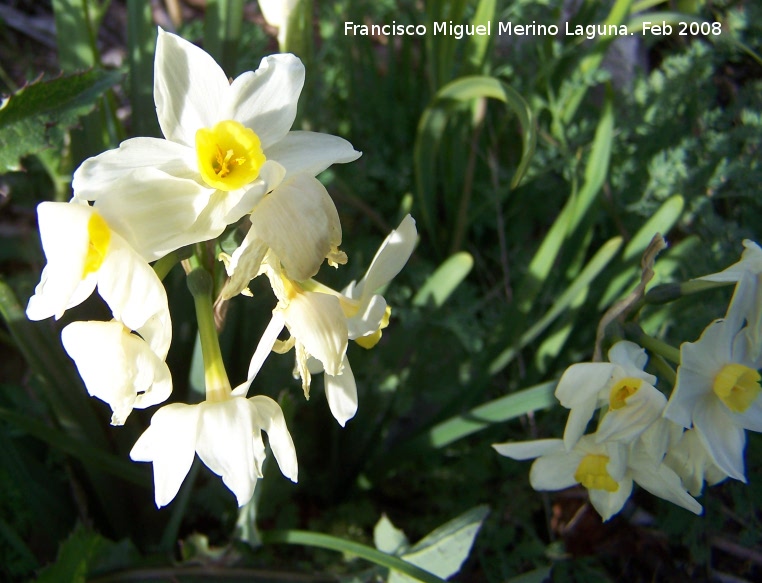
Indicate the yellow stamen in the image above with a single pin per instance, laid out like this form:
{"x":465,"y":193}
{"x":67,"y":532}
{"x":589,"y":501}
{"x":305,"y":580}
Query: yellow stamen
{"x":229,"y":155}
{"x":737,"y":386}
{"x":372,"y":339}
{"x":591,"y":473}
{"x":99,"y":236}
{"x":625,"y":388}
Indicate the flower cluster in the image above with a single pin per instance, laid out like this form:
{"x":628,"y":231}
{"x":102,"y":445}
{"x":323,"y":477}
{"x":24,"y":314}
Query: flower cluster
{"x":668,"y":447}
{"x":228,"y":152}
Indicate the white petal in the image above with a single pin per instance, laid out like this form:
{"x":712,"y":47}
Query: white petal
{"x":626,"y":424}
{"x":242,"y":202}
{"x":135,"y":295}
{"x":311,"y":152}
{"x":157,"y":213}
{"x":661,"y":481}
{"x":628,"y":354}
{"x":189,"y":89}
{"x":317,"y":322}
{"x":299,"y":222}
{"x":554,"y":471}
{"x":244,"y":265}
{"x":607,"y":504}
{"x":368,"y":319}
{"x":101,"y":176}
{"x":723,"y":439}
{"x":341,"y":392}
{"x":389,"y":260}
{"x":117,"y":367}
{"x":265,"y":344}
{"x":527,"y":450}
{"x":582,"y":382}
{"x":577,"y":422}
{"x":170,"y":443}
{"x":226,"y":445}
{"x":265,"y":100}
{"x":270,"y":418}
{"x":65,"y":241}
{"x":751,"y":262}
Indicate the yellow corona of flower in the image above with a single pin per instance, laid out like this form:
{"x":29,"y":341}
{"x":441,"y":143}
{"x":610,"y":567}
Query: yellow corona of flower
{"x":227,"y":144}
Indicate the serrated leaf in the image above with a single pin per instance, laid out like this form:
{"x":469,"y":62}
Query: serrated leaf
{"x":445,"y":549}
{"x":388,"y":538}
{"x":37,"y":116}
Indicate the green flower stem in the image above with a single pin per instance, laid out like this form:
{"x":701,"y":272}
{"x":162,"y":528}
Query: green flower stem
{"x":665,"y":371}
{"x":164,"y":265}
{"x":636,"y":334}
{"x":324,"y":541}
{"x":216,"y":379}
{"x":669,"y":292}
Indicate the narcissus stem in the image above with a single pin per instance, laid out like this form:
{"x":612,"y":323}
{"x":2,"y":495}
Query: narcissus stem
{"x":217,"y":383}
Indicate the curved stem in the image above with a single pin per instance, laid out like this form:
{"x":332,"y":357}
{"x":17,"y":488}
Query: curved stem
{"x":324,"y":541}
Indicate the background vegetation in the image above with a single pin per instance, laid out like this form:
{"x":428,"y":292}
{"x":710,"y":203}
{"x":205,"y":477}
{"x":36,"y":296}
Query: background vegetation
{"x":538,"y":169}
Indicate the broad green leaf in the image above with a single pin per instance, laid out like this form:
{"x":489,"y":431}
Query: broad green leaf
{"x":388,"y":538}
{"x":448,"y":276}
{"x":444,"y":550}
{"x":37,"y":116}
{"x":74,"y":557}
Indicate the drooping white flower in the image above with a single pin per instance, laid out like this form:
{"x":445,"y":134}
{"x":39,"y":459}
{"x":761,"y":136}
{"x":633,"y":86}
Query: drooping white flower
{"x":227,"y":436}
{"x":226,"y":145}
{"x":718,"y":384}
{"x":621,"y":384}
{"x":299,"y":222}
{"x":322,"y":320}
{"x":607,"y":470}
{"x":83,"y":251}
{"x":117,"y":366}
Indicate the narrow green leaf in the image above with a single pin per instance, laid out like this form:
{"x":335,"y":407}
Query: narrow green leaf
{"x":222,"y":32}
{"x":574,"y":211}
{"x":447,"y":277}
{"x":77,"y":448}
{"x":539,"y":575}
{"x":38,"y":115}
{"x":497,"y":411}
{"x":141,"y":45}
{"x":662,"y":222}
{"x":324,"y":541}
{"x":478,"y":45}
{"x":604,"y":255}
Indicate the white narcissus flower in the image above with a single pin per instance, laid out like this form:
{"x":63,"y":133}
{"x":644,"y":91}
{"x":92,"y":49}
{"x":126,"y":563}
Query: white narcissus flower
{"x":226,"y":145}
{"x":621,"y":384}
{"x":227,"y":436}
{"x":718,"y":385}
{"x":607,"y":470}
{"x":83,"y":252}
{"x":322,"y":320}
{"x":117,"y":366}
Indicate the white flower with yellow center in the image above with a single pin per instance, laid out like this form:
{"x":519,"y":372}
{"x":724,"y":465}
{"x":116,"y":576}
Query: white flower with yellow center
{"x":607,"y":470}
{"x":226,"y":433}
{"x":621,"y":385}
{"x":226,"y":145}
{"x":718,"y":385}
{"x":117,"y":366}
{"x":83,"y":252}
